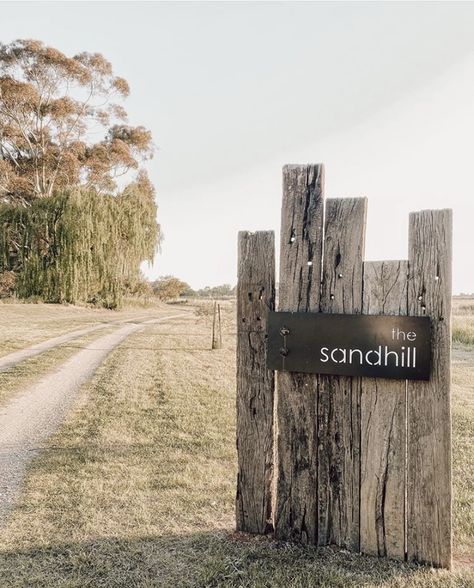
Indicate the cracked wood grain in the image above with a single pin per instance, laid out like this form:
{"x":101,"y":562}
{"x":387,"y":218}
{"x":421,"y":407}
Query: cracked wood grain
{"x":383,"y":426}
{"x":338,"y":396}
{"x":255,"y":384}
{"x":429,"y":414}
{"x":296,"y":397}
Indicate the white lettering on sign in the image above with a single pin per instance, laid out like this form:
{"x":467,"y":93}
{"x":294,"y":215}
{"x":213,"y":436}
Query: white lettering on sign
{"x":382,"y":356}
{"x":401,"y":335}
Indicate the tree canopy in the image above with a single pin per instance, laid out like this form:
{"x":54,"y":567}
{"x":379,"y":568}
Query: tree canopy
{"x":221,"y":291}
{"x":77,"y":246}
{"x":51,"y":106}
{"x":70,"y":230}
{"x":168,"y":287}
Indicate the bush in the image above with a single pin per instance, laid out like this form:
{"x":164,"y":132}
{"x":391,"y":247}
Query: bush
{"x":168,"y":288}
{"x":7,"y":284}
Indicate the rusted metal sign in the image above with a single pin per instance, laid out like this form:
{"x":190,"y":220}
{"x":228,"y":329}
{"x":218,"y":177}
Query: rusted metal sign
{"x":350,"y":345}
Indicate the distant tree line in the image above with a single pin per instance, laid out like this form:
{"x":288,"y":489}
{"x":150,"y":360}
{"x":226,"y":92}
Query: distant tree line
{"x":222,"y":291}
{"x":170,"y":288}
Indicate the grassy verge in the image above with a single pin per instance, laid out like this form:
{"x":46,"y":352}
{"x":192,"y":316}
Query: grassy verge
{"x":463,"y":333}
{"x":463,"y":322}
{"x":463,"y":453}
{"x":137,"y":488}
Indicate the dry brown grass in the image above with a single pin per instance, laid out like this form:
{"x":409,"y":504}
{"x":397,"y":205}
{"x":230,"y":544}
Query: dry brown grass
{"x":137,"y":488}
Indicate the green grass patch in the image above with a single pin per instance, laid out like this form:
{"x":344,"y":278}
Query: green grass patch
{"x":463,"y":335}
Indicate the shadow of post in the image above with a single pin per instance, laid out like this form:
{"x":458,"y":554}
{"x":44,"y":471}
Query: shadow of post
{"x":213,"y":559}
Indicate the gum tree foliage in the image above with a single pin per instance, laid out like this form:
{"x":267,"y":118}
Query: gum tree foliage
{"x":69,"y":230}
{"x":51,"y":106}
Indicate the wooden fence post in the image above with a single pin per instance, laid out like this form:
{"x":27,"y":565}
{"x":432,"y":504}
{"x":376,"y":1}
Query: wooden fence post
{"x":429,"y":402}
{"x":296,"y":404}
{"x":339,"y":396}
{"x":383,"y":426}
{"x":219,"y":322}
{"x":216,"y":327}
{"x":255,"y":384}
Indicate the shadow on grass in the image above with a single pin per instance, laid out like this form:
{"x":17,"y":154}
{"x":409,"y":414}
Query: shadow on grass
{"x":213,"y":560}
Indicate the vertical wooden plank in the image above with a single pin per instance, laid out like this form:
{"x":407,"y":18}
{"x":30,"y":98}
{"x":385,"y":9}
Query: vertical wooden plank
{"x":255,"y":384}
{"x":339,"y":397}
{"x":429,"y":414}
{"x":296,"y":408}
{"x":383,"y":426}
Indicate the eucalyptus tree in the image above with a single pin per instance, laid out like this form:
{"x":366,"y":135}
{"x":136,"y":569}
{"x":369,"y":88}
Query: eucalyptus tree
{"x":62,"y":123}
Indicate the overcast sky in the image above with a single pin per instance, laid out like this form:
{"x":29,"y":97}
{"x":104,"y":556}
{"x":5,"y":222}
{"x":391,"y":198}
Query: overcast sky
{"x":382,"y":93}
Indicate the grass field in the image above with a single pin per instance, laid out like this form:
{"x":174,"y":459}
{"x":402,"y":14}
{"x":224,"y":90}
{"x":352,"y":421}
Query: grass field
{"x":26,"y":324}
{"x":137,"y":488}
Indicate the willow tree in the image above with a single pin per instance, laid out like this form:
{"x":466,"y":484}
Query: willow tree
{"x":64,"y":133}
{"x":80,"y":246}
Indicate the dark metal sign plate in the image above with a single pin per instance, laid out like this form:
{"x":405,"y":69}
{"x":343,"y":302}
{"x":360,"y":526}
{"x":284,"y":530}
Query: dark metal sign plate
{"x":350,"y":345}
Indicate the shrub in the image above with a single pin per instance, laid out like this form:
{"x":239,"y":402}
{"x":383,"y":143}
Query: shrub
{"x":7,"y":284}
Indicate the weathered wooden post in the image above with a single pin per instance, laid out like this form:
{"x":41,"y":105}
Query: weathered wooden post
{"x":383,"y":426}
{"x":339,"y":396}
{"x":255,"y":382}
{"x":429,"y":402}
{"x":216,"y":327}
{"x":301,"y":245}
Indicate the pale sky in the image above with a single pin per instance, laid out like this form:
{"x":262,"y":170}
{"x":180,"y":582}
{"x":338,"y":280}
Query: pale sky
{"x":381,"y":93}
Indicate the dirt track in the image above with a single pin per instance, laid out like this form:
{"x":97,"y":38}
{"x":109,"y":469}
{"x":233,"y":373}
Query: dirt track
{"x":33,"y":415}
{"x":12,"y":359}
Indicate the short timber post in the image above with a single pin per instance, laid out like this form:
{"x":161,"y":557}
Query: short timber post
{"x":362,"y":401}
{"x":216,"y":327}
